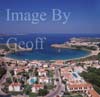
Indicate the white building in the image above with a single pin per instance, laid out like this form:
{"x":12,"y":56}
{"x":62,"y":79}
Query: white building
{"x":44,"y":80}
{"x":37,"y":87}
{"x":42,"y":72}
{"x":16,"y":87}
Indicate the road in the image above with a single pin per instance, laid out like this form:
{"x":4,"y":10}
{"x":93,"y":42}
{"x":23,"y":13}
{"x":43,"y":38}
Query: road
{"x":59,"y":87}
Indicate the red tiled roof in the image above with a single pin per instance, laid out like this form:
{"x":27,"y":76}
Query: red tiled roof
{"x":93,"y":93}
{"x":38,"y":85}
{"x":15,"y":84}
{"x":80,"y":85}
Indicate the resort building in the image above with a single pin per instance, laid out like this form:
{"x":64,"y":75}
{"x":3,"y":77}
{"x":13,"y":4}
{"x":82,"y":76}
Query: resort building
{"x":85,"y":88}
{"x":71,"y":76}
{"x":75,"y":83}
{"x":79,"y":87}
{"x":78,"y":69}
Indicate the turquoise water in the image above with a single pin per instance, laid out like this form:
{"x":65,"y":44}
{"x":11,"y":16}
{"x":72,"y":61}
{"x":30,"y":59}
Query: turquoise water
{"x":52,"y":55}
{"x":33,"y":81}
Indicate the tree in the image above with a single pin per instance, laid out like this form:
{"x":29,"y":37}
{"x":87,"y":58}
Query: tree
{"x":27,"y":89}
{"x":2,"y":72}
{"x":43,"y":92}
{"x":32,"y":95}
{"x":92,"y":76}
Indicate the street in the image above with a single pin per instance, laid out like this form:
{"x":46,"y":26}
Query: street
{"x":59,"y":87}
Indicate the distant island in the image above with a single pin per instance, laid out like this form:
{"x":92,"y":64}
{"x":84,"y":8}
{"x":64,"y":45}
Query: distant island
{"x":12,"y":34}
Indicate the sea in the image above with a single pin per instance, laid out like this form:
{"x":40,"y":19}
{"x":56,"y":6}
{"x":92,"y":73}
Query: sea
{"x":47,"y":53}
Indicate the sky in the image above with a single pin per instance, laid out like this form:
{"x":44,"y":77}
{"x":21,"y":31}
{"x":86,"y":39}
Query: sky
{"x":84,"y":17}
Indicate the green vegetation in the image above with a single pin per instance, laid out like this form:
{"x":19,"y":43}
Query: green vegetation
{"x":32,"y":95}
{"x":8,"y":80}
{"x":2,"y":72}
{"x":13,"y":47}
{"x":4,"y":46}
{"x":49,"y":86}
{"x":27,"y":89}
{"x":93,"y":76}
{"x":98,"y":56}
{"x":36,"y":72}
{"x":85,"y":47}
{"x":94,"y":57}
{"x":16,"y":93}
{"x":43,"y":92}
{"x":73,"y":95}
{"x":50,"y":73}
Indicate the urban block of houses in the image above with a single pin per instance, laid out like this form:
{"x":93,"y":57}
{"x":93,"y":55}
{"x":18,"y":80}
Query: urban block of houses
{"x":19,"y":70}
{"x":75,"y":83}
{"x":59,"y":63}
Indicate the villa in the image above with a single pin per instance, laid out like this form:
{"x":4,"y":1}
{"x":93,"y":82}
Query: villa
{"x":37,"y":87}
{"x":45,"y":65}
{"x":21,"y":69}
{"x":16,"y":87}
{"x":42,"y":72}
{"x":44,"y":80}
{"x":65,"y":70}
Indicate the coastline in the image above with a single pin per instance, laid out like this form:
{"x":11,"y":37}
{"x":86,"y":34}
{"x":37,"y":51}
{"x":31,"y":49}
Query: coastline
{"x":91,"y":53}
{"x":68,"y":45}
{"x":59,"y":46}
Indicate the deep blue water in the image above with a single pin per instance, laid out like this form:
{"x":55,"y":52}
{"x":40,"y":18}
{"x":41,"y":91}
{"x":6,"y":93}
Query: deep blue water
{"x":48,"y":53}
